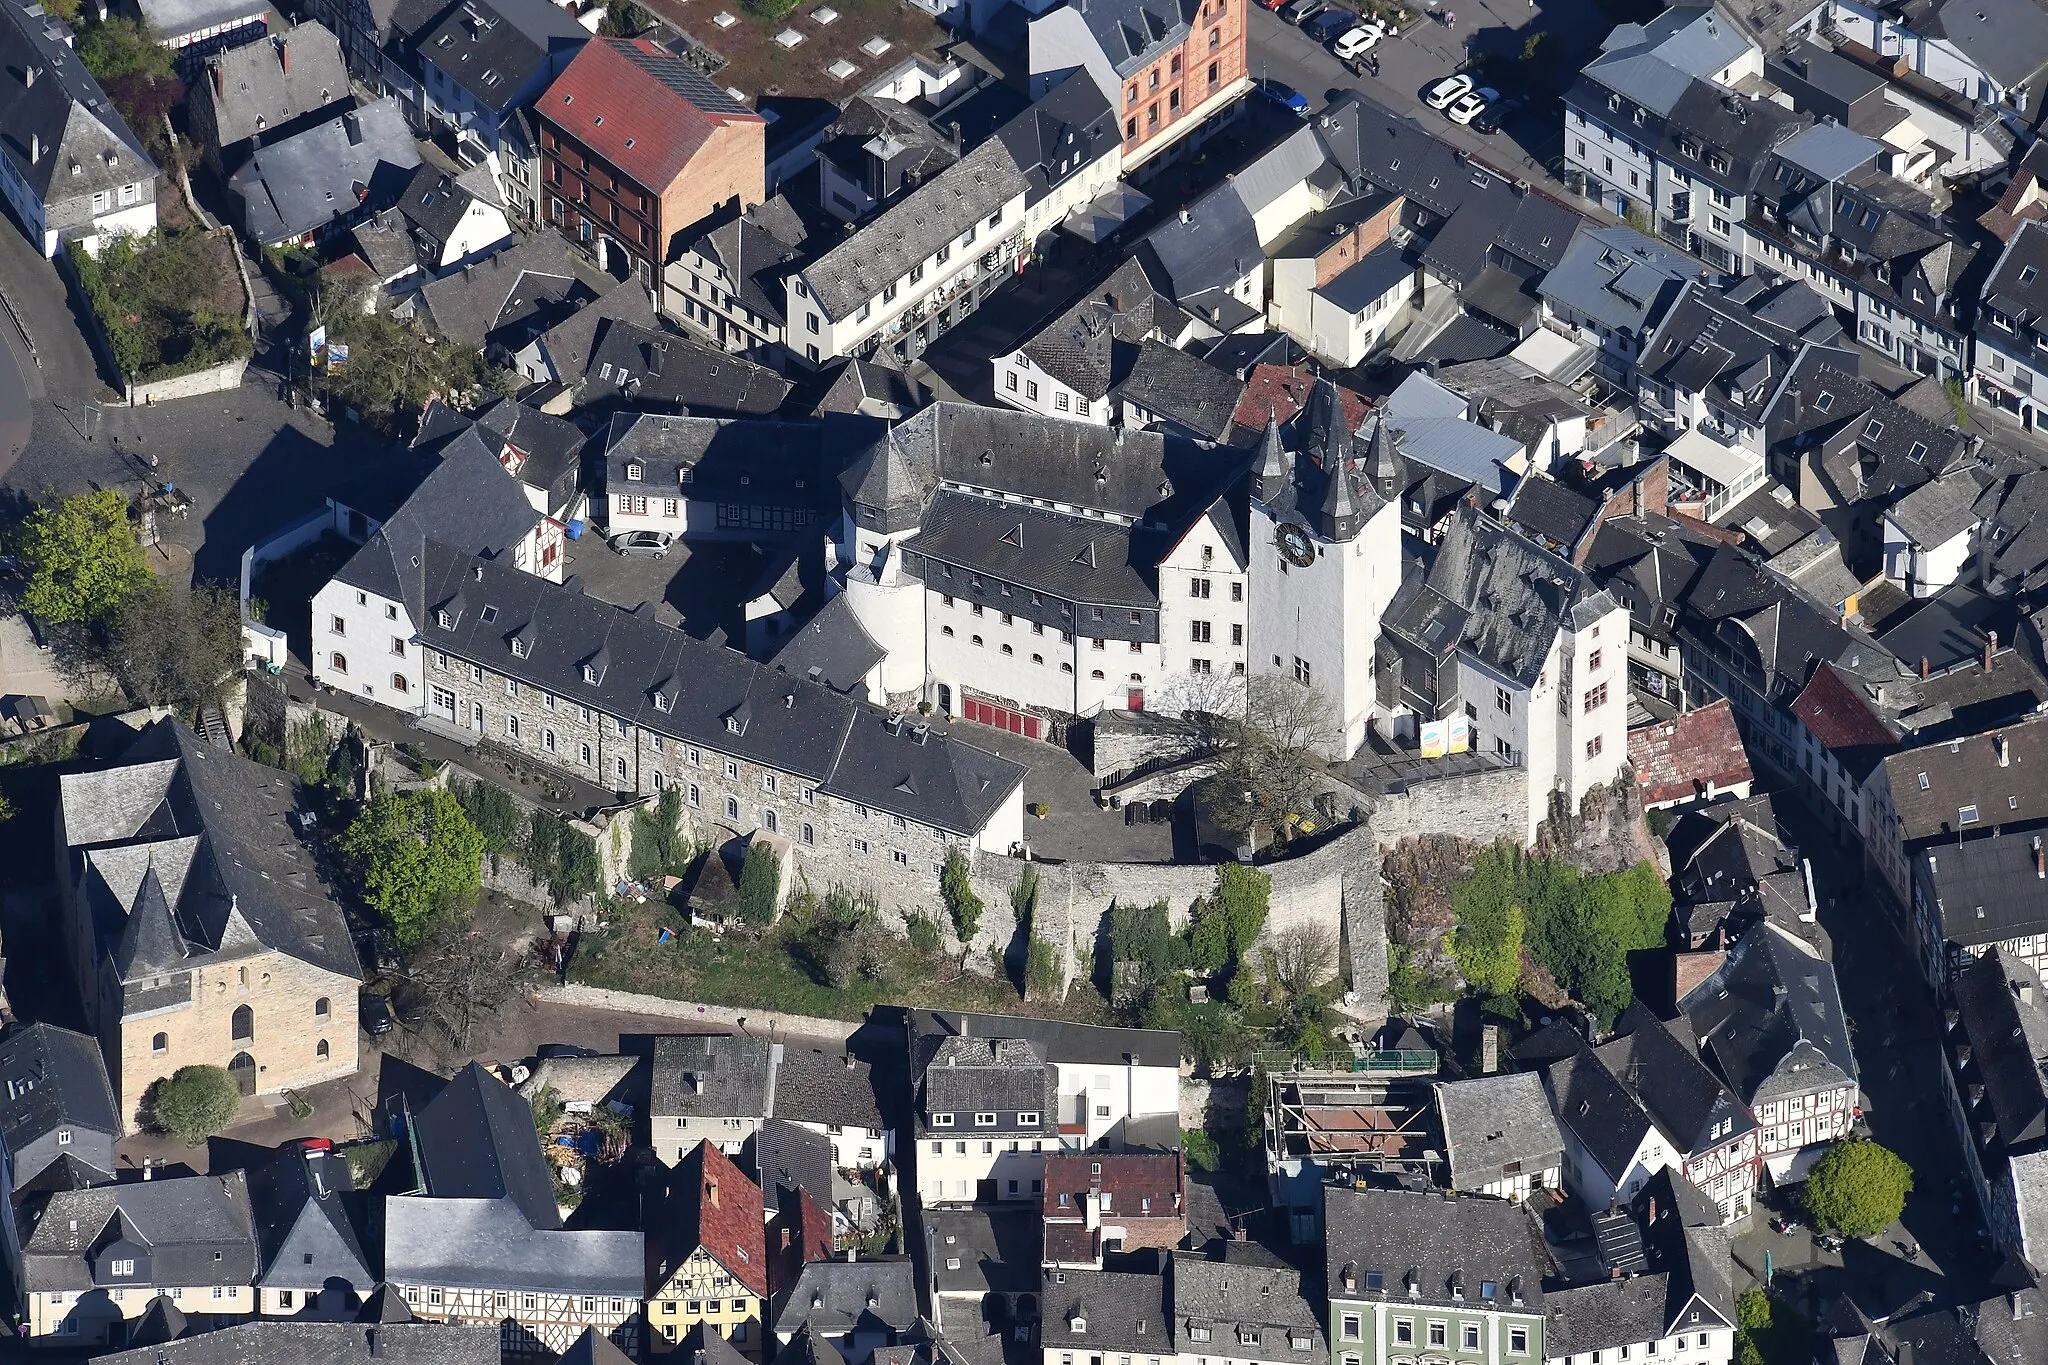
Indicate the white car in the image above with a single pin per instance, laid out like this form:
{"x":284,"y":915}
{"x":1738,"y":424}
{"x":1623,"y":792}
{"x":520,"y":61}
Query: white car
{"x":1448,"y":89}
{"x":1471,"y":105}
{"x":1358,"y":41}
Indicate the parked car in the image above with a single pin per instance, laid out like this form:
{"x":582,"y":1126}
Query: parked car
{"x":1331,"y":23}
{"x":1471,"y":105}
{"x":1301,"y":11}
{"x":642,"y":544}
{"x":375,"y":1014}
{"x":1446,"y":91}
{"x":1271,"y":4}
{"x":1358,"y":41}
{"x":1490,"y":121}
{"x":1282,"y":93}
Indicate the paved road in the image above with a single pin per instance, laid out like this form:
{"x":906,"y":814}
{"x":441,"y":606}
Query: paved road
{"x":1896,"y":1031}
{"x":17,"y":417}
{"x":1533,"y":138}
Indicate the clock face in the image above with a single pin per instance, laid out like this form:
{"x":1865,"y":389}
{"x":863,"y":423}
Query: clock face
{"x":1295,"y":544}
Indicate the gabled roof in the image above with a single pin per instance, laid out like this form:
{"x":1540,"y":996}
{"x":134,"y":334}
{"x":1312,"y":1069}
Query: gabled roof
{"x":476,"y":1140}
{"x":1181,"y":388}
{"x":757,"y":248}
{"x":1082,"y":347}
{"x":1675,"y":760}
{"x":85,"y":146}
{"x":1105,"y":1310}
{"x":713,"y":1076}
{"x":788,"y":1163}
{"x":521,"y":292}
{"x":304,"y":1233}
{"x":1227,"y":1297}
{"x":256,"y":87}
{"x":838,"y":1297}
{"x":491,"y":49}
{"x":712,"y":1205}
{"x":825,"y":1085}
{"x":1485,"y":1253}
{"x":1835,"y":712}
{"x":663,"y":109}
{"x":196,"y":1230}
{"x":327,"y":173}
{"x":1495,"y":1121}
{"x":305,"y":1342}
{"x":2003,"y":1017}
{"x":1988,"y":890}
{"x":54,"y":1078}
{"x":1770,"y":1020}
{"x":832,"y":649}
{"x":490,"y":1244}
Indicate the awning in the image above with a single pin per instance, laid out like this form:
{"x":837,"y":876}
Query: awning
{"x":1103,"y":217}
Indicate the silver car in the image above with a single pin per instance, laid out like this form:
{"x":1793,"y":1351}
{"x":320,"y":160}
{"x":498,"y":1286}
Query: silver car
{"x":642,"y":544}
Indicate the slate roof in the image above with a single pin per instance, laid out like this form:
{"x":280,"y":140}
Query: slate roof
{"x":1494,"y":1121}
{"x":1090,"y":346}
{"x":1674,"y":759}
{"x":364,"y":158}
{"x":54,"y":1078}
{"x":530,"y":285}
{"x":1937,"y":511}
{"x":476,"y":1140}
{"x":1444,"y":1240}
{"x":1227,"y":1296}
{"x":1494,"y":594}
{"x":832,"y":649}
{"x":867,"y":388}
{"x":195,"y":1229}
{"x":205,"y":835}
{"x":664,"y":109}
{"x":757,"y":249}
{"x":65,"y":112}
{"x":1744,"y":339}
{"x":1967,"y":772}
{"x":839,"y":1297}
{"x":1057,"y":1040}
{"x":489,"y":1244}
{"x":434,"y":204}
{"x":997,"y":1248}
{"x":1082,"y":561}
{"x":1989,"y":889}
{"x":1116,"y":1310}
{"x":646,"y":365}
{"x":2008,"y":1041}
{"x":1770,"y":1020}
{"x":1552,"y":515}
{"x":1003,"y":1076}
{"x":253,"y":88}
{"x":712,"y":1205}
{"x":305,"y":1236}
{"x":324,"y":1343}
{"x":493,"y":48}
{"x":788,"y":1161}
{"x":1132,"y":32}
{"x":708,"y":695}
{"x":1673,"y":1086}
{"x":713,"y":1076}
{"x":904,"y":234}
{"x":825,"y":1085}
{"x":1182,"y":388}
{"x":1618,"y":278}
{"x":1436,"y":434}
{"x":1196,"y":260}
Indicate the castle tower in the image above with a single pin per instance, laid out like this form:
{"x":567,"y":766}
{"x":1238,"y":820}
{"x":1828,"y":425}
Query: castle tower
{"x":1325,"y":561}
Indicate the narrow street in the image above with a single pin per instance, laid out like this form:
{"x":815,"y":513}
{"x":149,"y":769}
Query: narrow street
{"x":1896,"y":1033}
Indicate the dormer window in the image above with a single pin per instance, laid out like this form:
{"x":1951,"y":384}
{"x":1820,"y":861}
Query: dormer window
{"x":942,"y":1120}
{"x":1077,"y":1324}
{"x":635,"y":472}
{"x":591,"y":674}
{"x":1028,"y":1119}
{"x":984,"y":1120}
{"x":732,"y":727}
{"x":518,"y":648}
{"x":444,"y":620}
{"x":661,"y":701}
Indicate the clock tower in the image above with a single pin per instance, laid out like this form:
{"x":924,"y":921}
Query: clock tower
{"x":1325,"y":556}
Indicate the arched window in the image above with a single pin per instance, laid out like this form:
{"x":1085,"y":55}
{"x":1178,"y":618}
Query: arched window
{"x":160,"y":1044}
{"x":771,"y":820}
{"x":810,"y":835}
{"x":619,"y":768}
{"x":338,"y":662}
{"x":321,"y":1008}
{"x":244,"y":1024}
{"x":321,"y":1051}
{"x":398,"y":682}
{"x":659,"y":782}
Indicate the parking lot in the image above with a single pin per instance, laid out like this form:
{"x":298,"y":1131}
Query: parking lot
{"x":1488,"y":38}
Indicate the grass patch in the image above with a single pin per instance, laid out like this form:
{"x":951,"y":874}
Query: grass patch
{"x":169,"y":304}
{"x":777,"y":969}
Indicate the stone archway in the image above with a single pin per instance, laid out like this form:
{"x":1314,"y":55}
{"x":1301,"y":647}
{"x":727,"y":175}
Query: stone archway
{"x":243,"y":1069}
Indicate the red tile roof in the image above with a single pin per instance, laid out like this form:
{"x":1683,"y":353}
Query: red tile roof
{"x":798,"y":1233}
{"x":1674,"y":761}
{"x":717,"y":1208}
{"x":1835,"y":711}
{"x":640,"y":107}
{"x":1131,"y":1179}
{"x":1282,"y":391}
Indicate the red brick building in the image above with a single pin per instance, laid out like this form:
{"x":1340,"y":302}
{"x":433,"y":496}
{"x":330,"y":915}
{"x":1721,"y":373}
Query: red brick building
{"x":1097,"y":1202}
{"x":635,"y":146}
{"x":1179,"y":64}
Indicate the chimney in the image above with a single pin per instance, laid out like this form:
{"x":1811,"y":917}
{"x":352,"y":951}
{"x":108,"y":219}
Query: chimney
{"x":711,"y":1192}
{"x":35,"y":148}
{"x":284,"y":56}
{"x":1237,"y":1234}
{"x":28,"y":76}
{"x":147,"y":1171}
{"x":2040,"y":860}
{"x":848,"y":1059}
{"x":372,"y":1344}
{"x":1990,"y":648}
{"x":1998,"y":743}
{"x":1923,"y":668}
{"x":1653,"y":1211}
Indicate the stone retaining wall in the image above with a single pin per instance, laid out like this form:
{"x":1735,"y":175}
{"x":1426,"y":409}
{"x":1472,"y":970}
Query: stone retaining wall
{"x":754,"y":1021}
{"x":213,"y":379}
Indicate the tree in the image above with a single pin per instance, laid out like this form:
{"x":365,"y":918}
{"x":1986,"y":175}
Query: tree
{"x":659,"y":847}
{"x":1223,"y":925}
{"x":118,"y":46}
{"x":760,"y":884}
{"x":393,"y":368}
{"x":958,"y":891}
{"x":1487,"y":944}
{"x":1858,"y":1188}
{"x":1302,"y":957}
{"x":81,"y":558}
{"x":1534,"y":45}
{"x":196,"y":1103}
{"x":492,"y":810}
{"x":413,"y":854}
{"x":1270,"y":733}
{"x":172,"y":646}
{"x":462,"y":976}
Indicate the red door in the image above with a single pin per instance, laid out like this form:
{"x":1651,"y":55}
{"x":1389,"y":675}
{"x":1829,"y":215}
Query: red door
{"x":1001,"y":717}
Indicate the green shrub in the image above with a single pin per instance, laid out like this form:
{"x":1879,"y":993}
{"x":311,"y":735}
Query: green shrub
{"x":961,"y":902}
{"x":1858,"y":1188}
{"x":493,"y":811}
{"x":196,"y":1103}
{"x":146,"y":293}
{"x":1202,"y":1152}
{"x":659,"y":846}
{"x":760,"y":880}
{"x":924,"y":933}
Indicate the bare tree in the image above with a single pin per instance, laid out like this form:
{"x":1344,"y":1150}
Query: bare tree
{"x":461,"y":975}
{"x":165,"y":646}
{"x":1302,"y":957}
{"x":1273,"y":751}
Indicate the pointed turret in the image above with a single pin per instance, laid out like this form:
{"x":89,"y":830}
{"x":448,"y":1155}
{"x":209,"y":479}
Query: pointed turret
{"x":1338,"y":518}
{"x":1270,"y":476}
{"x":1383,"y":459}
{"x":150,"y":942}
